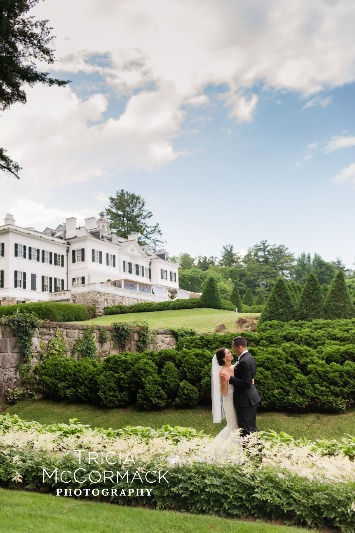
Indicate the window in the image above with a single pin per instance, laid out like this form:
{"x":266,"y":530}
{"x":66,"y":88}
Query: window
{"x":77,"y":282}
{"x":2,"y":279}
{"x":142,"y":271}
{"x":137,"y":270}
{"x":20,"y":250}
{"x":58,"y":260}
{"x":58,"y":284}
{"x":45,"y":284}
{"x":33,"y":254}
{"x":124,"y":266}
{"x":96,"y":256}
{"x":163,"y":274}
{"x":110,"y":260}
{"x":78,"y":256}
{"x":130,"y":268}
{"x":2,"y":249}
{"x":173,"y":276}
{"x":19,"y":279}
{"x":146,"y":272}
{"x":47,"y":257}
{"x":33,"y":282}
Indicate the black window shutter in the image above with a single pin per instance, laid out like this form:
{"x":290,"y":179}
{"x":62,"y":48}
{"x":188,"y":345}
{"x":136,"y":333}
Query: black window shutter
{"x":62,"y":284}
{"x":38,"y":254}
{"x":42,"y":283}
{"x":83,"y":280}
{"x":16,"y":249}
{"x":29,"y":252}
{"x":33,"y":282}
{"x":43,"y":254}
{"x":100,"y":258}
{"x":83,"y":254}
{"x":23,"y":280}
{"x":50,"y":284}
{"x":107,"y":260}
{"x":2,"y":249}
{"x":73,"y":256}
{"x":114,"y":261}
{"x":50,"y":258}
{"x":62,"y":260}
{"x":15,"y":279}
{"x":24,"y":251}
{"x":1,"y":279}
{"x":55,"y":259}
{"x":93,"y":255}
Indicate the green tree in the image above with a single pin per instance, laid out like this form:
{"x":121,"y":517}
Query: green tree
{"x":323,"y":270}
{"x":303,"y":267}
{"x":186,"y":261}
{"x":248,"y":298}
{"x":260,"y":299}
{"x":229,"y":257}
{"x":192,"y":279}
{"x":210,"y":296}
{"x":338,"y":303}
{"x":24,"y":44}
{"x":127,"y":214}
{"x":279,"y":305}
{"x":236,"y":299}
{"x":204,"y":262}
{"x":311,"y":302}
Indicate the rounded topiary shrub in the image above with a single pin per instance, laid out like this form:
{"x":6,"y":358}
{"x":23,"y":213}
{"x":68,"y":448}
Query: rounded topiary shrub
{"x":170,"y":379}
{"x":152,"y":396}
{"x":187,"y":396}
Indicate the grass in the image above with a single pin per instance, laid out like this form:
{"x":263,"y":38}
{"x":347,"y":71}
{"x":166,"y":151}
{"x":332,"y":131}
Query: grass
{"x":201,"y":320}
{"x":26,"y":512}
{"x":311,"y":425}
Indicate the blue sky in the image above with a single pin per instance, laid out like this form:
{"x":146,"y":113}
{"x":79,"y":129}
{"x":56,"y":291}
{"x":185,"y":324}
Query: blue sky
{"x":238,"y":130}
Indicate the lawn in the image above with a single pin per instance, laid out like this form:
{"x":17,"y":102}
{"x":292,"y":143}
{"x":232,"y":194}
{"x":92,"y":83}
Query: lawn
{"x":311,"y":425}
{"x":27,"y":512}
{"x":201,"y":320}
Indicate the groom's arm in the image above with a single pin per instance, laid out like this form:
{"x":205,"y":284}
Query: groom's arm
{"x":244,"y":380}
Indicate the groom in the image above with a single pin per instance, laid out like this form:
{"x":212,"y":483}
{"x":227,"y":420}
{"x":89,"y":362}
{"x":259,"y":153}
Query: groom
{"x":246,"y":397}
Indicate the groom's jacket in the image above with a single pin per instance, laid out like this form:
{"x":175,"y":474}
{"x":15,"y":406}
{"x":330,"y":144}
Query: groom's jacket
{"x":245,"y":393}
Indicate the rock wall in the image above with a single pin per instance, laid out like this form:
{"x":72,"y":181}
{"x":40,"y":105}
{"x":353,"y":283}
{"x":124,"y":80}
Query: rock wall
{"x":100,"y":300}
{"x":10,"y":357}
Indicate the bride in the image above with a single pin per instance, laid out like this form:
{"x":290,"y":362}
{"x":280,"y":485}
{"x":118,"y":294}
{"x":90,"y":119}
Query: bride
{"x":222,"y":397}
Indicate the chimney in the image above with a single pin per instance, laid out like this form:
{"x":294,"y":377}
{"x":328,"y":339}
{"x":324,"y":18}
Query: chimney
{"x":9,"y":219}
{"x":103,"y":225}
{"x":90,"y":223}
{"x":133,"y":236}
{"x":70,"y":227}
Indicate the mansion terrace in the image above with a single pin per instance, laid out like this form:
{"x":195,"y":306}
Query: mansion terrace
{"x":88,"y":264}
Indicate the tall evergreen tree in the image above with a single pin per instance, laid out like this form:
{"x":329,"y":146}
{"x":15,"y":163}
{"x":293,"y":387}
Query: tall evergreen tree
{"x":210,"y":295}
{"x":338,"y":303}
{"x":260,"y":299}
{"x":236,"y":299}
{"x":311,"y":302}
{"x":248,"y":298}
{"x":279,"y":305}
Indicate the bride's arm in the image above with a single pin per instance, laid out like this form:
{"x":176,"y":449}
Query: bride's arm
{"x":224,"y":385}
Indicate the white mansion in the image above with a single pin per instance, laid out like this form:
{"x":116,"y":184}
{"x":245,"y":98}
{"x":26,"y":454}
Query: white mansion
{"x":88,"y":264}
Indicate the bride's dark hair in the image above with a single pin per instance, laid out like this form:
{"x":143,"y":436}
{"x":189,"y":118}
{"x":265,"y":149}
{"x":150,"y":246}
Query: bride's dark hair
{"x":220,"y":353}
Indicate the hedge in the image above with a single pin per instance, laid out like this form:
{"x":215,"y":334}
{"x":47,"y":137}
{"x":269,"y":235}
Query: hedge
{"x":54,"y":311}
{"x":298,"y":369}
{"x":145,"y":307}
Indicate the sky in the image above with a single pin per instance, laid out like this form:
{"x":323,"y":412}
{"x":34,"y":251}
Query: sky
{"x":235,"y":120}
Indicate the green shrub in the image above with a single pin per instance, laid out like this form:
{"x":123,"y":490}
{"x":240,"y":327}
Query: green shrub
{"x":279,"y":305}
{"x":311,"y":302}
{"x":227,"y":306}
{"x":236,"y":299}
{"x":121,"y":334}
{"x":143,"y":336}
{"x":54,"y":311}
{"x":144,"y":307}
{"x":17,"y":394}
{"x":57,"y":345}
{"x":338,"y":303}
{"x":152,"y":395}
{"x":170,"y":379}
{"x":103,"y":336}
{"x":85,"y":345}
{"x":187,"y":396}
{"x":210,"y":296}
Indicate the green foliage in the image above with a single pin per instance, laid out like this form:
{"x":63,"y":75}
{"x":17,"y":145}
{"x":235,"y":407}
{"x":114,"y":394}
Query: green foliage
{"x":248,"y":298}
{"x":57,"y":345}
{"x":23,"y":326}
{"x":85,"y":345}
{"x":279,"y":305}
{"x":338,"y":303}
{"x":235,"y":298}
{"x":145,"y":307}
{"x":143,"y":336}
{"x":260,"y":299}
{"x":170,"y":378}
{"x":18,"y":394}
{"x":311,"y":302}
{"x":127,"y":214}
{"x":121,"y":334}
{"x":54,"y":311}
{"x":187,"y":396}
{"x":103,"y":336}
{"x":210,"y":295}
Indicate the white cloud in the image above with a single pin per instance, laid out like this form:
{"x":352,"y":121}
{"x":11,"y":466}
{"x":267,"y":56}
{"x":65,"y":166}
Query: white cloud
{"x":242,"y":108}
{"x":312,"y":146}
{"x":346,"y":175}
{"x":321,"y":101}
{"x":339,"y":141}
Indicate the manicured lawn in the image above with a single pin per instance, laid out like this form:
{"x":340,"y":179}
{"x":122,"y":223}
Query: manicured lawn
{"x":201,"y":320}
{"x":30,"y":512}
{"x":311,"y":425}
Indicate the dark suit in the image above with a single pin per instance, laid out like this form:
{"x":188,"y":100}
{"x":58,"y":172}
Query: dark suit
{"x":246,"y":397}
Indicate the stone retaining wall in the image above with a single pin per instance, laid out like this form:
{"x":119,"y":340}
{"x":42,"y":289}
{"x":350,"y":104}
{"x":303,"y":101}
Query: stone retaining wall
{"x":10,"y":357}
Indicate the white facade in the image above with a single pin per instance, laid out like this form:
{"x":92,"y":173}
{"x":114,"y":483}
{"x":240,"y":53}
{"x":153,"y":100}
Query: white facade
{"x":40,"y":266}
